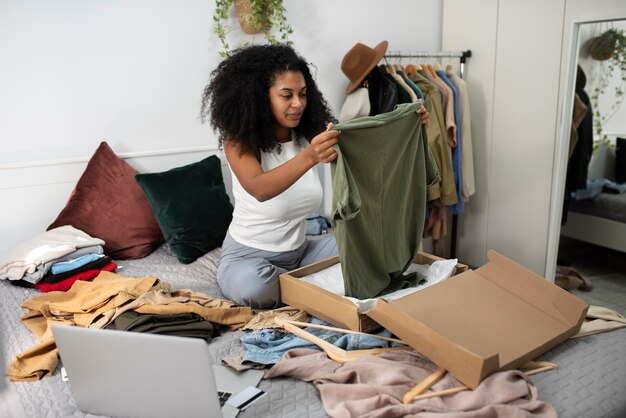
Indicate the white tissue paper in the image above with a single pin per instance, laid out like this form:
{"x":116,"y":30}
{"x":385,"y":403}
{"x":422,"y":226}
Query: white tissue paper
{"x":331,"y":279}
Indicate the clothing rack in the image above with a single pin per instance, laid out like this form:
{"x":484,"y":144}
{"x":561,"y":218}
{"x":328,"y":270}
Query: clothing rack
{"x":462,"y":56}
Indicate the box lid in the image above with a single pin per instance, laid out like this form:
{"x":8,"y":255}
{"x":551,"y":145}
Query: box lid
{"x":497,"y":317}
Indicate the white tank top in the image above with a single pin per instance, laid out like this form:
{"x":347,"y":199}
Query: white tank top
{"x":278,"y":224}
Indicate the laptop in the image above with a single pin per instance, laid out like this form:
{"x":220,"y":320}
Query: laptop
{"x":132,"y":374}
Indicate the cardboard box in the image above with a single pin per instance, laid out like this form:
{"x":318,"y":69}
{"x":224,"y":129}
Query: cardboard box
{"x":328,"y":306}
{"x":496,"y":317}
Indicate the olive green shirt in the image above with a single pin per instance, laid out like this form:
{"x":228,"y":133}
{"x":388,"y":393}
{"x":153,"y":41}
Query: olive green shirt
{"x":437,"y":139}
{"x":380,"y":180}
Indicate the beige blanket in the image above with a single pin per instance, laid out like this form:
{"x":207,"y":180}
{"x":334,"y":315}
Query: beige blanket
{"x":373,"y":387}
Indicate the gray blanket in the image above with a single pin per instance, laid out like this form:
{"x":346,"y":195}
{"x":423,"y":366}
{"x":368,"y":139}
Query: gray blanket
{"x":591,"y":380}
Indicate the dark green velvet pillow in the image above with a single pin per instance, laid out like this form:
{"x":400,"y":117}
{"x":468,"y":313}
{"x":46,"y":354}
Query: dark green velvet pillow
{"x":191,"y":206}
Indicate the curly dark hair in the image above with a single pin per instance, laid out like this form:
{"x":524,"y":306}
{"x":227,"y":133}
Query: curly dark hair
{"x":236,"y":100}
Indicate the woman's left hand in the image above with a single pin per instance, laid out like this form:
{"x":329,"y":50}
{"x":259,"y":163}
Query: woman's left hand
{"x":425,"y":116}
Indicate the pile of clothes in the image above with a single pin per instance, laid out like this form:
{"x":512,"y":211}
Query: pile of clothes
{"x":55,"y":259}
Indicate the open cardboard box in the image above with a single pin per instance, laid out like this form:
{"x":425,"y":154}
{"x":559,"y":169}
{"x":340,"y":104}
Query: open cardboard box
{"x":328,"y":306}
{"x":497,"y":317}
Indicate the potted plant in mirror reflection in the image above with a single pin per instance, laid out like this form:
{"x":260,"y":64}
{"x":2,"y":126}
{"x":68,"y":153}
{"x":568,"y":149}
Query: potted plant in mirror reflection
{"x":609,"y":49}
{"x":255,"y":17}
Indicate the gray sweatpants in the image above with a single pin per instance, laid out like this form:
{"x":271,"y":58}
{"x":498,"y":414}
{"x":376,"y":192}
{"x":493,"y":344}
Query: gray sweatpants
{"x":249,"y":276}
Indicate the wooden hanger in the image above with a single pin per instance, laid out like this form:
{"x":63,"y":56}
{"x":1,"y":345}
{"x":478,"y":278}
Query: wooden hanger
{"x":417,"y":392}
{"x":424,"y":385}
{"x":335,"y":353}
{"x":410,"y":69}
{"x":428,"y":70}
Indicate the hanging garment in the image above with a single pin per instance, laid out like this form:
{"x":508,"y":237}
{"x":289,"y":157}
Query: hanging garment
{"x":437,"y":140}
{"x":447,"y":103}
{"x":402,"y":85}
{"x":403,"y":95}
{"x":380,"y":181}
{"x":578,"y":163}
{"x":382,"y":92}
{"x":456,"y":150}
{"x":357,"y":105}
{"x":418,"y":93}
{"x":436,"y":226}
{"x":467,"y":153}
{"x":580,"y":110}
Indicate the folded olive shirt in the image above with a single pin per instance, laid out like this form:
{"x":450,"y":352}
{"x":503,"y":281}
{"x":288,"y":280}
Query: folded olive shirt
{"x":380,"y":181}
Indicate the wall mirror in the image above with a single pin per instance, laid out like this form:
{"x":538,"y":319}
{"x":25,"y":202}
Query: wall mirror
{"x":591,"y":223}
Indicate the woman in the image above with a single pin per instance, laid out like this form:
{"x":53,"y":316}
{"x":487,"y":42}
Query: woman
{"x":274,"y":126}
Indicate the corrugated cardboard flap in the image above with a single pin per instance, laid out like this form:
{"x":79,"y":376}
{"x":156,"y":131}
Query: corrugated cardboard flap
{"x":534,"y":289}
{"x":468,"y":366}
{"x":496,"y":317}
{"x":320,"y":302}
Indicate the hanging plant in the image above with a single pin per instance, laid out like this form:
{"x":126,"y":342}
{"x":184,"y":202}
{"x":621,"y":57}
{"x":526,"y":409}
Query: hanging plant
{"x":255,"y":17}
{"x":601,"y":47}
{"x":610,"y":50}
{"x":253,"y":21}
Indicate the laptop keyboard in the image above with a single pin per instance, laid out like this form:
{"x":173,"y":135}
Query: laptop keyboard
{"x":223,"y":396}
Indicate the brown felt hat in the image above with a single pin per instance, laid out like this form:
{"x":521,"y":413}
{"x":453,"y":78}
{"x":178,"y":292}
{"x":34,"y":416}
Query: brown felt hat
{"x":359,"y":61}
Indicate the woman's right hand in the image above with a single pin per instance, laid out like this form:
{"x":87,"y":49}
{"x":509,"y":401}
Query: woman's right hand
{"x":320,"y":150}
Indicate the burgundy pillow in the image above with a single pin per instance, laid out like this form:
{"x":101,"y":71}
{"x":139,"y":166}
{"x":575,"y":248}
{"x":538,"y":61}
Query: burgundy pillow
{"x":107,"y":203}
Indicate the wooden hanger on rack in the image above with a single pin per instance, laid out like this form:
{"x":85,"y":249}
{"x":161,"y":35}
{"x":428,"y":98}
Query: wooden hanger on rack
{"x":412,"y":69}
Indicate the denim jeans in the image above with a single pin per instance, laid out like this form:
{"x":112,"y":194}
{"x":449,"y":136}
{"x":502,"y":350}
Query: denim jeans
{"x":267,"y":346}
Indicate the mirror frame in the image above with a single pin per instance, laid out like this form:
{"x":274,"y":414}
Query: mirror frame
{"x":577,"y":13}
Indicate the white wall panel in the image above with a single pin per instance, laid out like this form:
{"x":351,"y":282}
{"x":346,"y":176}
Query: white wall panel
{"x":459,"y":33}
{"x":525,"y":117}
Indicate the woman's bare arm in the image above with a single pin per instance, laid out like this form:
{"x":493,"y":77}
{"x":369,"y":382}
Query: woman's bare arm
{"x":265,"y":185}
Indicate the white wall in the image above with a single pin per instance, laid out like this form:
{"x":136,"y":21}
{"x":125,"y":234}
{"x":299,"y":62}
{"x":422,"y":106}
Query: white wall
{"x":75,"y":72}
{"x":131,"y":72}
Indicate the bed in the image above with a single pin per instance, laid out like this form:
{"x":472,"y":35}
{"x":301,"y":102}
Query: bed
{"x":597,"y":214}
{"x":601,"y":221}
{"x":591,"y":380}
